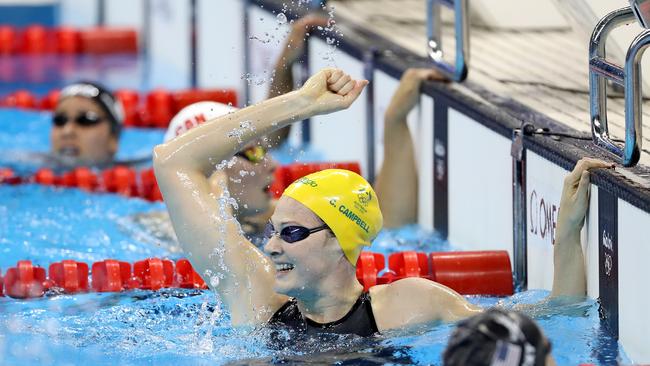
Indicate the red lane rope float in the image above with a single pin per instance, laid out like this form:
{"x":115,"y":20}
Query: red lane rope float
{"x":119,"y":179}
{"x":468,"y":273}
{"x":71,"y":277}
{"x":409,"y":264}
{"x":103,"y":40}
{"x":131,"y":183}
{"x":25,"y":281}
{"x":186,"y":277}
{"x":154,"y":273}
{"x":473,"y":272}
{"x":37,"y":39}
{"x":368,"y":266}
{"x":154,"y":109}
{"x":7,"y":40}
{"x":111,"y":276}
{"x":20,"y":99}
{"x":7,"y":176}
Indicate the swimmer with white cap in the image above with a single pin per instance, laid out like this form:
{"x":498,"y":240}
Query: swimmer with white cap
{"x":305,"y":277}
{"x":250,"y":172}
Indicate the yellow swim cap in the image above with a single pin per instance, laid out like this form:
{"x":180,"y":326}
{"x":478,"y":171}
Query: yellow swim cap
{"x":345,"y":202}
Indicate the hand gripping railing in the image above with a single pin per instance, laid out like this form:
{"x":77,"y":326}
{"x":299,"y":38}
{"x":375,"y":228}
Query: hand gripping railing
{"x":600,"y":70}
{"x":457,"y":71}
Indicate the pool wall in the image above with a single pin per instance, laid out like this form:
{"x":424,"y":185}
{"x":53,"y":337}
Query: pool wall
{"x":471,"y":189}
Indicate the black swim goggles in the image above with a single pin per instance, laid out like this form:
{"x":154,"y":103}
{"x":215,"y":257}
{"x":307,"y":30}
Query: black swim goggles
{"x":85,"y":119}
{"x":291,"y":234}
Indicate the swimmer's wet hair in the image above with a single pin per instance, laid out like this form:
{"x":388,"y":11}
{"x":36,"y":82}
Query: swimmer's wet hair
{"x":497,"y":337}
{"x":100,"y":95}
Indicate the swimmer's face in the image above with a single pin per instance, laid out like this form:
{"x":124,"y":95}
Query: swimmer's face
{"x":82,"y":145}
{"x":249,"y":183}
{"x":302,"y":267}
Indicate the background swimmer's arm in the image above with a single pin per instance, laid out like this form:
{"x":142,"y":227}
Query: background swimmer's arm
{"x":205,"y":228}
{"x":282,"y":79}
{"x":397,"y":182}
{"x":569,"y":276}
{"x":414,"y":301}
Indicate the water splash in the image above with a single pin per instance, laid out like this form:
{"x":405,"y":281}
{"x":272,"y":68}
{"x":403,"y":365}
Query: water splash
{"x":332,"y":38}
{"x":238,"y":132}
{"x":281,"y":18}
{"x":259,"y":78}
{"x":228,"y":163}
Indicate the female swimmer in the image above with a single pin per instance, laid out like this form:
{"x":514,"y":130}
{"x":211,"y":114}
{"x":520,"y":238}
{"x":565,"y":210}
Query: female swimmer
{"x":306,"y":275}
{"x":85,"y":126}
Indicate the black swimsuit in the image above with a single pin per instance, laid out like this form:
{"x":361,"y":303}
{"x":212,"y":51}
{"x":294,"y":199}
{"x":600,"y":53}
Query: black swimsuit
{"x":359,"y":320}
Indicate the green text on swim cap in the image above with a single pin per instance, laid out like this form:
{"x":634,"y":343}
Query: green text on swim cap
{"x":354,"y":218}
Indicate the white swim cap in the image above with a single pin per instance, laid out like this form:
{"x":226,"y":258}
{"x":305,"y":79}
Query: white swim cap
{"x":193,"y":115}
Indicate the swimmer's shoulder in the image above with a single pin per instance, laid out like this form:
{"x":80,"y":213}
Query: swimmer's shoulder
{"x":413,"y":301}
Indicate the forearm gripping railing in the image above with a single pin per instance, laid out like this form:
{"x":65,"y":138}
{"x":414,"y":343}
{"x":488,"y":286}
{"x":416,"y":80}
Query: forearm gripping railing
{"x":458,"y":70}
{"x":601,"y":70}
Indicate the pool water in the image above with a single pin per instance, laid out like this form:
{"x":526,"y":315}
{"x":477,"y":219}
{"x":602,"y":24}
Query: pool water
{"x":46,"y":224}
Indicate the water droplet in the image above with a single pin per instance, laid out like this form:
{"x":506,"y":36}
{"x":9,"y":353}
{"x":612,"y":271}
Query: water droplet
{"x":282,"y":19}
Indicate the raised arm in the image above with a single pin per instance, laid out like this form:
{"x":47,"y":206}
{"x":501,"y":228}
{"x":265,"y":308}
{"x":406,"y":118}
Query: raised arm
{"x":203,"y":220}
{"x":397,"y":182}
{"x":282,"y":81}
{"x":569,"y":276}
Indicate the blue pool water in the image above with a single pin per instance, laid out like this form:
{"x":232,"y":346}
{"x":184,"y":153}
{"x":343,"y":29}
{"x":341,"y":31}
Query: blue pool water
{"x":46,"y":224}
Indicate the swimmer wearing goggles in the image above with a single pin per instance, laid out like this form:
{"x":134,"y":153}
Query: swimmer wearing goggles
{"x":86,"y":125}
{"x":293,"y":233}
{"x":305,"y":276}
{"x":249,"y":174}
{"x":254,"y":154}
{"x":85,"y":119}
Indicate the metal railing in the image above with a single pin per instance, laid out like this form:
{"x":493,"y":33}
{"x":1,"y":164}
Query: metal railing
{"x":458,"y":70}
{"x":629,"y":76}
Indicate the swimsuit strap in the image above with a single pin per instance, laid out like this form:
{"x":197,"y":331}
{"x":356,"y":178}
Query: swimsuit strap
{"x":360,"y":320}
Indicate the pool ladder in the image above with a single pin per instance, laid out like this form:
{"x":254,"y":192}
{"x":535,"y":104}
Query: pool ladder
{"x":458,"y":70}
{"x":629,"y":77}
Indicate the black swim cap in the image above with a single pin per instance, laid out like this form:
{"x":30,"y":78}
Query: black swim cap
{"x":101,"y":96}
{"x":499,"y":338}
